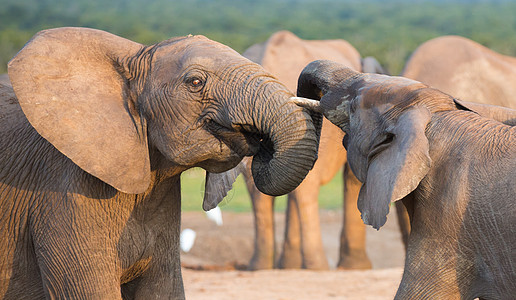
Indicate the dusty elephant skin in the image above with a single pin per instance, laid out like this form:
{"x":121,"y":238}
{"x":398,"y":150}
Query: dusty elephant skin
{"x":466,"y":70}
{"x":284,"y":55}
{"x":452,"y":167}
{"x":93,"y":140}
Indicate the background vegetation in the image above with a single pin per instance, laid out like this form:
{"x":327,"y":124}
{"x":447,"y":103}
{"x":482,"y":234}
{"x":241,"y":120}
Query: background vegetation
{"x":389,"y":30}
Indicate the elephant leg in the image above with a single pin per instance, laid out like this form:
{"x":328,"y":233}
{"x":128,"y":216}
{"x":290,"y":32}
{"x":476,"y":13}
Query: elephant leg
{"x":291,"y":255}
{"x":264,"y":255}
{"x":431,"y":271}
{"x":74,"y":270}
{"x":163,"y":279}
{"x":75,"y":253}
{"x":403,"y":222}
{"x":312,"y":250}
{"x":352,"y":239}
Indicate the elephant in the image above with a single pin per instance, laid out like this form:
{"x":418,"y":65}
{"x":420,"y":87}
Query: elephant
{"x":466,"y":70}
{"x":371,"y":65}
{"x":95,"y":132}
{"x":284,"y":55}
{"x":453,"y":167}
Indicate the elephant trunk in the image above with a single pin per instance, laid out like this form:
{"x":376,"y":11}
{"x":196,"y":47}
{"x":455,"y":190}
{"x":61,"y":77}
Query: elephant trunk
{"x":287,"y":153}
{"x":331,"y":83}
{"x":290,"y":138}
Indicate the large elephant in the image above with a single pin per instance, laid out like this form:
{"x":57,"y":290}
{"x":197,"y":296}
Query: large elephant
{"x":93,"y":140}
{"x":284,"y":55}
{"x":453,"y":168}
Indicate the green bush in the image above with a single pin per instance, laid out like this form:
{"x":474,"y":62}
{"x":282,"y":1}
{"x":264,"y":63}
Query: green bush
{"x":388,"y":30}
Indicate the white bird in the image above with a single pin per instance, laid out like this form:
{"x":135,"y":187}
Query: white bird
{"x":187,"y":239}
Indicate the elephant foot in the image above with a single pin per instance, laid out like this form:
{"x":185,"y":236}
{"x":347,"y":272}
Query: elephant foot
{"x":357,"y":261}
{"x":320,"y":263}
{"x":290,"y":260}
{"x":261,"y":262}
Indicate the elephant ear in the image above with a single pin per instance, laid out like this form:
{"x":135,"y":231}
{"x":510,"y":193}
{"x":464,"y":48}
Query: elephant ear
{"x":398,"y":169}
{"x":69,"y":86}
{"x":371,"y":65}
{"x":218,"y":185}
{"x":499,"y":113}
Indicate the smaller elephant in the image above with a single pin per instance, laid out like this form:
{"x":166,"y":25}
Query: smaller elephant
{"x":466,"y":70}
{"x":453,"y":168}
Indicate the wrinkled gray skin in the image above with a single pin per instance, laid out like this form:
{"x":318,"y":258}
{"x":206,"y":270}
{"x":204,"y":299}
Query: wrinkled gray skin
{"x":466,"y":70}
{"x":93,"y":140}
{"x":452,"y":167}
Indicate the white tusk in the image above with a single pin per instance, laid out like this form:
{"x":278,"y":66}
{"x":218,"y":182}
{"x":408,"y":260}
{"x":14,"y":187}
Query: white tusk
{"x":311,"y":104}
{"x":215,"y":215}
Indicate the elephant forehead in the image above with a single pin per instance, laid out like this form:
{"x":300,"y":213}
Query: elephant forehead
{"x":195,"y":50}
{"x":204,"y":48}
{"x":378,"y":90}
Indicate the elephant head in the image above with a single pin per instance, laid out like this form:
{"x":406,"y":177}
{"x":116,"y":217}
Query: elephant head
{"x":385,"y":119}
{"x":118,"y":109}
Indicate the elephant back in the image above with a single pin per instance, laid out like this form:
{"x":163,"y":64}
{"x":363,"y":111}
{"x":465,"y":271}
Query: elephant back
{"x":285,"y":55}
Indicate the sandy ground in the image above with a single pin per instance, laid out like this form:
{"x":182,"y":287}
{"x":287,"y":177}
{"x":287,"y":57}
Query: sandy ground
{"x":221,"y":249}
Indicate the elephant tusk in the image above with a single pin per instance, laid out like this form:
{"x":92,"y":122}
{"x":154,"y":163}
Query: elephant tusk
{"x":311,"y":104}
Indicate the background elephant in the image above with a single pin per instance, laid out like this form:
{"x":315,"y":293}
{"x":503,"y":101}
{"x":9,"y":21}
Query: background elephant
{"x":285,"y":55}
{"x":93,"y":140}
{"x":465,"y":69}
{"x":452,"y":167}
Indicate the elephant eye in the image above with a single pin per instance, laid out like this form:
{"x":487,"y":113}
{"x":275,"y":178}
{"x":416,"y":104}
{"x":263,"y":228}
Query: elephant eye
{"x":195,"y":84}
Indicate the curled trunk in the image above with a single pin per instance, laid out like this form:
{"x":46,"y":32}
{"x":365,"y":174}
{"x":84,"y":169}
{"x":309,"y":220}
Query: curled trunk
{"x":290,"y":137}
{"x":288,"y":151}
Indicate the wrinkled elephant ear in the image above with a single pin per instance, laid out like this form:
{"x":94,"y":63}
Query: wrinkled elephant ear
{"x":70,"y":87}
{"x":218,"y":185}
{"x":397,"y":170}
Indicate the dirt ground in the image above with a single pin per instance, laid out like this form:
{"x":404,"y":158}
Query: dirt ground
{"x":225,"y":251}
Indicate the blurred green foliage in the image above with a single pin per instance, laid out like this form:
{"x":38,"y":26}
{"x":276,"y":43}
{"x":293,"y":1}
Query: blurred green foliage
{"x":388,"y":30}
{"x":237,"y":200}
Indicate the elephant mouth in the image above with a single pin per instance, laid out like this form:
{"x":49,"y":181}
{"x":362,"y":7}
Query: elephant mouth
{"x":240,"y":140}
